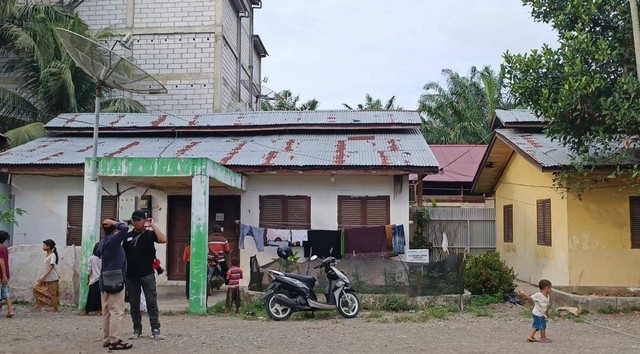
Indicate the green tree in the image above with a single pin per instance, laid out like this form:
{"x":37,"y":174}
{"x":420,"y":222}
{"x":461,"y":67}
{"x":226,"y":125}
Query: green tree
{"x":371,"y":104}
{"x":460,"y":112}
{"x":586,"y":88}
{"x":49,"y":82}
{"x":286,"y":101}
{"x":8,"y":217}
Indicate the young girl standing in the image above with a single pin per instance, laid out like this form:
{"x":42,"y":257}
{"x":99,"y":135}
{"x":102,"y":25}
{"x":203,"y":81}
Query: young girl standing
{"x":46,"y":289}
{"x":94,"y":303}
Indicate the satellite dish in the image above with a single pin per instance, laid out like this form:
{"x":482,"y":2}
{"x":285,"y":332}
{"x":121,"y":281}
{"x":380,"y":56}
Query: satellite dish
{"x":109,"y":70}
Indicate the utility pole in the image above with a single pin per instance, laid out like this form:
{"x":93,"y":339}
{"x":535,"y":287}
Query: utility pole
{"x":636,"y":33}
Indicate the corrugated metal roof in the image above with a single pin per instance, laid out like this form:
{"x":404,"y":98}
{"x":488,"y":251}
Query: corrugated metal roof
{"x":516,"y":116}
{"x":541,"y":148}
{"x":459,"y":163}
{"x":402,"y":148}
{"x":238,"y":119}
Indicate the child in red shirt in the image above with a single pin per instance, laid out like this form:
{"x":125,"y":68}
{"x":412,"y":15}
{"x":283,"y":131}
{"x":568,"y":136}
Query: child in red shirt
{"x":233,"y":290}
{"x":5,"y":293}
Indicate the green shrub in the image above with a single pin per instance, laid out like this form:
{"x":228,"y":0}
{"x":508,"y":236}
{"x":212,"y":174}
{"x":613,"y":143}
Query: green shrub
{"x":395,"y":303}
{"x":487,"y":274}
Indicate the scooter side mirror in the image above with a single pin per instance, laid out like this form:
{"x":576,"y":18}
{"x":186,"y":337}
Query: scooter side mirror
{"x":313,"y":258}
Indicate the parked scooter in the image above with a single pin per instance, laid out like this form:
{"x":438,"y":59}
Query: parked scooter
{"x":214,"y":275}
{"x":289,"y":293}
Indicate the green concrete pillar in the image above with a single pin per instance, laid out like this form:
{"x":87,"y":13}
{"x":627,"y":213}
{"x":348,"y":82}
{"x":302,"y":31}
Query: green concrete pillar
{"x":199,"y":237}
{"x":90,"y":228}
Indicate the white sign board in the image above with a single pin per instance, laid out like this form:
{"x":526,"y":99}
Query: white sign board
{"x":418,"y":256}
{"x":219,"y":216}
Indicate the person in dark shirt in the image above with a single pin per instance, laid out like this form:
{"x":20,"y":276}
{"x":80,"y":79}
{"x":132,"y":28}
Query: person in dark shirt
{"x":140,"y":250}
{"x":113,"y":258}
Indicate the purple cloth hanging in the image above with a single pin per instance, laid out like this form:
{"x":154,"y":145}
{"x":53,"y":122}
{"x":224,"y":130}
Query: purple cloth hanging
{"x":366,"y":240}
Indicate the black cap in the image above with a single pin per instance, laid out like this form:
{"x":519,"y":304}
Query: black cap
{"x":49,"y":242}
{"x":216,"y":228}
{"x":139,"y":214}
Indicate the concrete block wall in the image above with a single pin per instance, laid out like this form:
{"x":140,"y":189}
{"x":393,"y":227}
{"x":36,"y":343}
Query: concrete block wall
{"x":172,"y":13}
{"x":101,"y":14}
{"x":228,"y":77}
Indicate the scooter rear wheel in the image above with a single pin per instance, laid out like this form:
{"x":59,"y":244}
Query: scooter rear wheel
{"x":276,"y":311}
{"x":348,"y":305}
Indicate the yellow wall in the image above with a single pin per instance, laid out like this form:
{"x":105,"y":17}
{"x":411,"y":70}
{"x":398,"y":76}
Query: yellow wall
{"x":600,"y":251}
{"x":521,"y":185}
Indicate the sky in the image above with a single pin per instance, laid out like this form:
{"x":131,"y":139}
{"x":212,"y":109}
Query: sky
{"x":338,"y":50}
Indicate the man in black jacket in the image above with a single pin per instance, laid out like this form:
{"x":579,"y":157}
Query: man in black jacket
{"x":141,"y":252}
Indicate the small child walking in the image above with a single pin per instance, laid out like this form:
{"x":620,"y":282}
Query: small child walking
{"x":540,"y":311}
{"x":5,"y":293}
{"x":234,"y":274}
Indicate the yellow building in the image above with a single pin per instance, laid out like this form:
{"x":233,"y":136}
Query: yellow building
{"x":545,"y":233}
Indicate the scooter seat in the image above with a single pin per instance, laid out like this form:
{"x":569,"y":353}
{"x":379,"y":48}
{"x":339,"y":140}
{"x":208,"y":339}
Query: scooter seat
{"x":303,"y":278}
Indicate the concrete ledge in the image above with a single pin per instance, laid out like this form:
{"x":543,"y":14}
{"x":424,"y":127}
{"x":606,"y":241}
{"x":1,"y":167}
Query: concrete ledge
{"x":594,"y":303}
{"x":458,"y":301}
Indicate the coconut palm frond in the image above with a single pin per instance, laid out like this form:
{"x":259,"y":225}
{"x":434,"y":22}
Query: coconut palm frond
{"x":25,"y":134}
{"x":122,"y":105}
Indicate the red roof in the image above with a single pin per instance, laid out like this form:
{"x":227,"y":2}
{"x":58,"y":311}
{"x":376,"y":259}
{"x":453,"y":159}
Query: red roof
{"x":458,"y":163}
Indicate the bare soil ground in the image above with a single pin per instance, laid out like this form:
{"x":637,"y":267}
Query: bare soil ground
{"x":500,"y":329}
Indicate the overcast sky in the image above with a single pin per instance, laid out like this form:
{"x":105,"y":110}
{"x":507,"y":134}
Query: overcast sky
{"x":338,"y":50}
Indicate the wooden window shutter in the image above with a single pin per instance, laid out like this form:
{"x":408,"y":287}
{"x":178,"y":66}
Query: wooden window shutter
{"x":74,"y":220}
{"x":109,"y":209}
{"x":356,"y":212}
{"x":285,"y":212}
{"x":543,"y":209}
{"x":508,"y":223}
{"x":634,"y":211}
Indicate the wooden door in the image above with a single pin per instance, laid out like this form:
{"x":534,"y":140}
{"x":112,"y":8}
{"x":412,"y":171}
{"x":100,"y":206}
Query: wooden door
{"x":226,"y":208}
{"x":178,"y":234}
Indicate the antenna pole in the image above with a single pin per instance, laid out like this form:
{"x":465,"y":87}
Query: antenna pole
{"x":96,"y":123}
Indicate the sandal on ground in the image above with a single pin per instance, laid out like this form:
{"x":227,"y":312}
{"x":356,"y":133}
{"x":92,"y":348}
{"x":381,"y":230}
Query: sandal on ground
{"x":106,"y":344}
{"x":9,"y":315}
{"x":546,"y":340}
{"x":531,"y":340}
{"x":120,"y":345}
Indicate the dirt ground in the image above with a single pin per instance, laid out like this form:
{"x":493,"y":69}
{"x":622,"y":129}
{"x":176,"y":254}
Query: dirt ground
{"x":503,"y":331}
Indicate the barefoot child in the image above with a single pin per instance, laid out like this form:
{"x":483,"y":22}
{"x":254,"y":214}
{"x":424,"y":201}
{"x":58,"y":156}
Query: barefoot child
{"x":540,"y":311}
{"x":5,"y":294}
{"x":234,"y":274}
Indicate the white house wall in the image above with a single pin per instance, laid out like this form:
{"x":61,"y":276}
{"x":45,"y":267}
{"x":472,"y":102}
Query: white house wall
{"x":45,"y":200}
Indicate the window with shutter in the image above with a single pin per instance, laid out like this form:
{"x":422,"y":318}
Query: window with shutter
{"x":543,"y":209}
{"x":508,"y":223}
{"x":634,"y":211}
{"x":356,"y":212}
{"x":109,"y":209}
{"x":285,"y":212}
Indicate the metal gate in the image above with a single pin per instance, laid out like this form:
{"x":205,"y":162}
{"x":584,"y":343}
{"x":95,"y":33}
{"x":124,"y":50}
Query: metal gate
{"x":467,"y":229}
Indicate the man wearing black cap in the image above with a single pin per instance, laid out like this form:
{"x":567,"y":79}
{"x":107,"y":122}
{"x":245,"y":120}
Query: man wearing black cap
{"x":141,"y":253}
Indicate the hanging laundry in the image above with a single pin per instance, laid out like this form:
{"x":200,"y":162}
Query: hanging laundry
{"x":253,"y":231}
{"x":366,"y":240}
{"x":324,"y":243}
{"x":276,"y":237}
{"x":388,"y":229}
{"x":299,"y":236}
{"x":399,"y":241}
{"x":445,"y":243}
{"x":307,"y":248}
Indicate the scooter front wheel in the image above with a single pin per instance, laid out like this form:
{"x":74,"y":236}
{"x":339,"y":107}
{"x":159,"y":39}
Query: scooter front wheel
{"x":276,"y":311}
{"x":348,"y":305}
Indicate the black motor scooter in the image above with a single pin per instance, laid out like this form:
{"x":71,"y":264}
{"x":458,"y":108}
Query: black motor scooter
{"x":290,"y":292}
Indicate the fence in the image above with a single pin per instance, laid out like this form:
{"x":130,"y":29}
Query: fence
{"x":472,"y":229}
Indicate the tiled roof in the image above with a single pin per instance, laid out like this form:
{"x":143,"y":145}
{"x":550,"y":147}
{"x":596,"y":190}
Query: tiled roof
{"x":459,"y":163}
{"x":237,"y":120}
{"x":403,"y":148}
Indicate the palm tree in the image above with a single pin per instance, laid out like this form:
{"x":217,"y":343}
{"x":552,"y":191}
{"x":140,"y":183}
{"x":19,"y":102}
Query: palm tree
{"x":286,"y":101}
{"x":371,"y":104}
{"x":48,"y":81}
{"x":462,"y":110}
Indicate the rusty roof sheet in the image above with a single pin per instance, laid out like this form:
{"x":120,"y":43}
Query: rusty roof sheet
{"x":516,"y":117}
{"x":402,"y":148}
{"x":540,"y":147}
{"x":237,"y":119}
